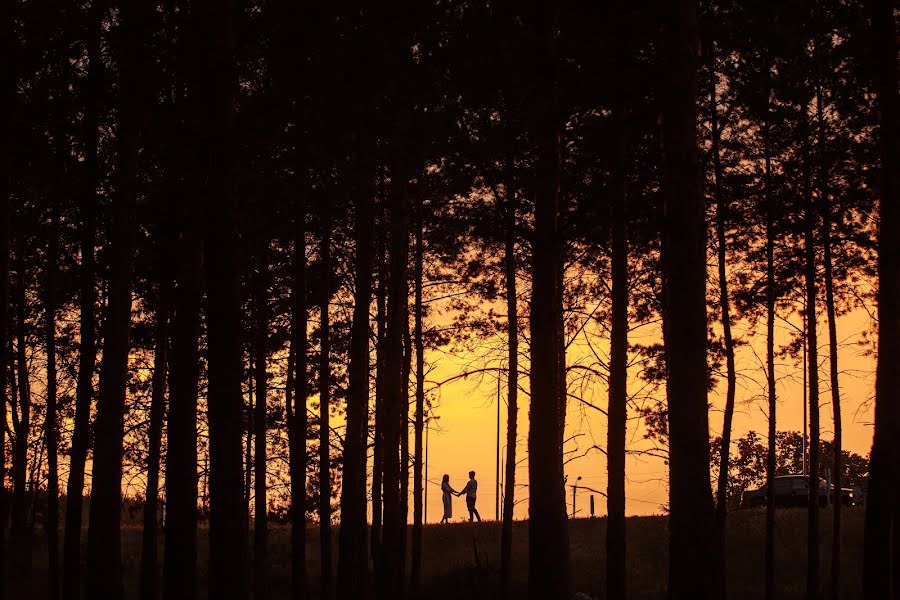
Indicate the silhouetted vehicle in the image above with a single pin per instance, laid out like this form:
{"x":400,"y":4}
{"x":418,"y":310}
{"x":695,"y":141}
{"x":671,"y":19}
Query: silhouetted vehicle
{"x":793,"y":490}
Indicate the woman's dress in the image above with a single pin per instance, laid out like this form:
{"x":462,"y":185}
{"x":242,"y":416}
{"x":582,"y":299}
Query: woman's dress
{"x":447,"y":499}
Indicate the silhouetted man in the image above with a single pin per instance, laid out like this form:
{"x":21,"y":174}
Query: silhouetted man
{"x":471,"y":492}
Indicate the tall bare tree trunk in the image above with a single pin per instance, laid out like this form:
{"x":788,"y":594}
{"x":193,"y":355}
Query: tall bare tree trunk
{"x":324,"y":408}
{"x":248,"y":446}
{"x":390,"y":555}
{"x":21,"y":532}
{"x":810,"y":223}
{"x":260,"y":519}
{"x":691,"y":519}
{"x":380,"y":349}
{"x":215,"y":89}
{"x":7,"y":104}
{"x":512,"y":378}
{"x":549,"y":574}
{"x":825,"y":207}
{"x":353,"y":556}
{"x":404,"y":440}
{"x":419,"y":422}
{"x":725,"y":309}
{"x":87,"y":350}
{"x":881,"y":505}
{"x":297,"y":392}
{"x":618,"y":366}
{"x":150,"y":531}
{"x":180,"y":557}
{"x":104,"y":565}
{"x":50,"y":417}
{"x":769,"y":207}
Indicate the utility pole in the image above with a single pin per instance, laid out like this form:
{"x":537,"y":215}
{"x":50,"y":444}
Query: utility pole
{"x":497,"y":476}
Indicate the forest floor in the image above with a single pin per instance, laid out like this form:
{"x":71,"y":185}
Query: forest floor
{"x":462,"y":559}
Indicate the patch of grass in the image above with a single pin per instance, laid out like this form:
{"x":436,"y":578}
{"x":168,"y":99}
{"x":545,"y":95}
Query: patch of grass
{"x":463,"y":559}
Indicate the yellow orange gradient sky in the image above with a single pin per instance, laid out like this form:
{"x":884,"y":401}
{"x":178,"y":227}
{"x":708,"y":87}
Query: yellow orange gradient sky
{"x":464,"y":438}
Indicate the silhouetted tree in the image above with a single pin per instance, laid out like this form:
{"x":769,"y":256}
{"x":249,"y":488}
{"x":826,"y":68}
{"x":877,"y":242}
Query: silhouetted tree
{"x":691,"y":543}
{"x":104,"y":565}
{"x":353,"y":550}
{"x":87,"y":326}
{"x":213,"y":85}
{"x":150,"y":532}
{"x":260,"y":518}
{"x":881,"y":506}
{"x":324,"y":404}
{"x":7,"y":103}
{"x":548,"y":543}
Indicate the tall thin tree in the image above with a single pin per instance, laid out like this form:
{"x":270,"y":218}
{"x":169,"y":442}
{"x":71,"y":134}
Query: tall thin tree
{"x":828,"y":280}
{"x":325,"y":406}
{"x":297,"y":387}
{"x":721,"y":204}
{"x":104,"y":565}
{"x":691,"y":518}
{"x":419,"y":414}
{"x":213,"y":84}
{"x":150,"y":530}
{"x":549,"y":573}
{"x":811,"y":288}
{"x":512,"y":377}
{"x":260,"y":504}
{"x":390,"y":557}
{"x":352,"y":547}
{"x":881,"y":507}
{"x":618,"y":359}
{"x":51,"y":415}
{"x":87,"y":325}
{"x":768,"y":201}
{"x":7,"y":102}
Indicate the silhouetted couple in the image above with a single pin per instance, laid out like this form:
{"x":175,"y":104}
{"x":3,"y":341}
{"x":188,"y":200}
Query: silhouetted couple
{"x":471,"y":492}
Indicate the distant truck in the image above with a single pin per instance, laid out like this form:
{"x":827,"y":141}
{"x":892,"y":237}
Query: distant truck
{"x":793,"y":490}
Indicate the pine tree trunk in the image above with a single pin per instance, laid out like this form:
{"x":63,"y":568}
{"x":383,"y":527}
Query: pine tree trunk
{"x":21,"y":533}
{"x":549,"y":574}
{"x":725,"y":309}
{"x":691,"y":518}
{"x":260,"y":519}
{"x":215,"y":90}
{"x":324,"y":409}
{"x":248,"y":445}
{"x":297,"y":392}
{"x":7,"y":103}
{"x":390,"y":554}
{"x":810,"y":223}
{"x":618,"y":368}
{"x":150,"y":531}
{"x":512,"y":378}
{"x":104,"y":564}
{"x":380,"y":349}
{"x":180,"y":556}
{"x":881,"y":505}
{"x":404,"y":440}
{"x":419,"y":416}
{"x":353,"y":557}
{"x":87,"y":350}
{"x":836,"y":464}
{"x":769,"y":207}
{"x":50,"y":417}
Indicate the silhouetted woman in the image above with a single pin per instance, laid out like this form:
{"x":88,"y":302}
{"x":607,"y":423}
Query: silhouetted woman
{"x":447,"y":498}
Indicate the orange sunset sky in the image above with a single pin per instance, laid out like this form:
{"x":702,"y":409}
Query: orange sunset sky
{"x":464,"y":438}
